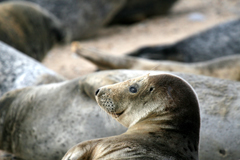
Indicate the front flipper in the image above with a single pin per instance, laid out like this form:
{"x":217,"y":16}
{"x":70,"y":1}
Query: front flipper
{"x":82,"y":151}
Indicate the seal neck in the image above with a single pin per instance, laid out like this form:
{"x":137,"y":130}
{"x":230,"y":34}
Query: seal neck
{"x":164,"y":133}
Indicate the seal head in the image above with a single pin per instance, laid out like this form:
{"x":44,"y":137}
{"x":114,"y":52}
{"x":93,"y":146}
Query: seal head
{"x":138,"y":99}
{"x":162,"y":105}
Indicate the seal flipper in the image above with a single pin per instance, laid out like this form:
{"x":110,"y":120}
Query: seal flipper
{"x":106,"y":61}
{"x":103,"y":61}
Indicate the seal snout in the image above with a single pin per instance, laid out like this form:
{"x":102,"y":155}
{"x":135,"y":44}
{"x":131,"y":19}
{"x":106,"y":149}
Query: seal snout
{"x":96,"y":93}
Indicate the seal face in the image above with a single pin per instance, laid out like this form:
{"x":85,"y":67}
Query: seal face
{"x":162,"y":116}
{"x":143,"y":95}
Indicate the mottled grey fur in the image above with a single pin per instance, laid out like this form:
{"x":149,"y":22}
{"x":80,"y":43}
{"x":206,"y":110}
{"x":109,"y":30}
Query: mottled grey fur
{"x":221,"y":40}
{"x":18,"y":70}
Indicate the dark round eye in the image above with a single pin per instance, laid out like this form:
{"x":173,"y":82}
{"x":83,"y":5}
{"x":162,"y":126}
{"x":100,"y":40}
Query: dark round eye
{"x":133,"y":89}
{"x":151,"y":89}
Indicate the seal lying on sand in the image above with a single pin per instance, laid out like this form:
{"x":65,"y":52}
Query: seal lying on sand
{"x":225,"y":67}
{"x":29,"y":28}
{"x":43,"y":122}
{"x":221,"y":40}
{"x":18,"y":70}
{"x":162,"y":116}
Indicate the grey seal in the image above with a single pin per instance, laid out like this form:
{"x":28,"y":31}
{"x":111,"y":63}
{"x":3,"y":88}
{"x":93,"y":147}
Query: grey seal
{"x":43,"y":122}
{"x":162,"y":116}
{"x":17,"y":70}
{"x":218,"y":41}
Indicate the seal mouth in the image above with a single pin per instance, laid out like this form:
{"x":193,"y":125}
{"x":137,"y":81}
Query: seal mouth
{"x":118,"y":114}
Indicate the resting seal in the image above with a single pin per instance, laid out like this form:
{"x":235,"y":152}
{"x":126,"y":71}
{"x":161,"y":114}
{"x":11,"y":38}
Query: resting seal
{"x":224,"y":67}
{"x":53,"y":118}
{"x":78,"y":16}
{"x":18,"y":70}
{"x":30,"y":28}
{"x":162,"y":116}
{"x":221,"y":40}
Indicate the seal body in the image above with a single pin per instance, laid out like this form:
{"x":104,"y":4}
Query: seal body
{"x":40,"y":122}
{"x":162,"y":116}
{"x":221,"y":40}
{"x":30,"y":28}
{"x":18,"y":70}
{"x":44,"y":122}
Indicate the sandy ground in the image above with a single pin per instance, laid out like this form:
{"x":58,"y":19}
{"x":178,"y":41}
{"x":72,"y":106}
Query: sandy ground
{"x":157,"y":30}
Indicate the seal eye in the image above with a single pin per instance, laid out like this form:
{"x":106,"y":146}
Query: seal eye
{"x":133,"y":89}
{"x":151,"y":89}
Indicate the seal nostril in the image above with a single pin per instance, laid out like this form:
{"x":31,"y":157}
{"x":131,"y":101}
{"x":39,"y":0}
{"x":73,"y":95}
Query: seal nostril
{"x":97,"y":92}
